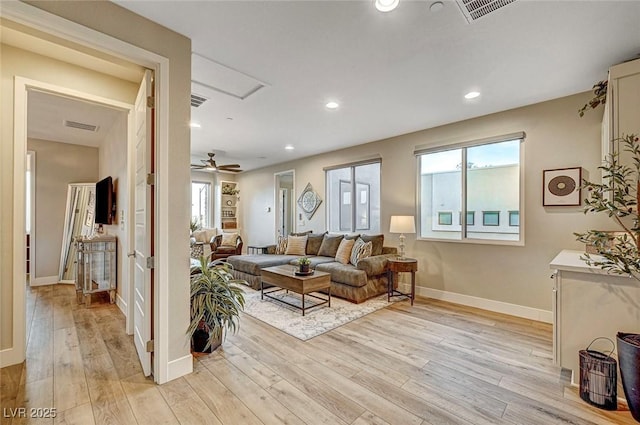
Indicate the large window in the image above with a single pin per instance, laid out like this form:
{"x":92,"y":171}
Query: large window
{"x":353,"y":198}
{"x":481,"y":176}
{"x":201,"y":203}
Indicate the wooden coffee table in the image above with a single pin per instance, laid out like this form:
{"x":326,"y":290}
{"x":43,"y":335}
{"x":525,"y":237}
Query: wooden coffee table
{"x":283,"y":278}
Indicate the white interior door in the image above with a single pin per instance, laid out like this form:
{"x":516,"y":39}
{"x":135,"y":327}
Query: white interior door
{"x":143,"y":241}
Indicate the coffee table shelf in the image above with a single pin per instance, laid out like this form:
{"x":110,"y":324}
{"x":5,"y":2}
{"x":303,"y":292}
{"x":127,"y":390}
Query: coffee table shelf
{"x":283,"y":278}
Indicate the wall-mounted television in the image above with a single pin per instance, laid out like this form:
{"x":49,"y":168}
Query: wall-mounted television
{"x":105,"y":201}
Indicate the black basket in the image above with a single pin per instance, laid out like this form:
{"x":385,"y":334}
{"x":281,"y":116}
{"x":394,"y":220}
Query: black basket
{"x":599,"y":378}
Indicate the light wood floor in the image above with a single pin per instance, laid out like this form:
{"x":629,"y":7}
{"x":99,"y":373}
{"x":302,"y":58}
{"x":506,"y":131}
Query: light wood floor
{"x":434,"y":363}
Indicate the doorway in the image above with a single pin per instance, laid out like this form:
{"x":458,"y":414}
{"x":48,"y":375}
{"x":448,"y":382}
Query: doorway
{"x":284,"y":184}
{"x":29,"y":219}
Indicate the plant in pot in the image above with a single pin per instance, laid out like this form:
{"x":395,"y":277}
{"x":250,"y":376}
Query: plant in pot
{"x":194,"y":224}
{"x":304,"y":263}
{"x":216,"y":302}
{"x":619,"y":196}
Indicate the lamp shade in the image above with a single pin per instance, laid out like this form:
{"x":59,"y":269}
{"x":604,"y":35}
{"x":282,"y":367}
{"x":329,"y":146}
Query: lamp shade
{"x":402,"y":224}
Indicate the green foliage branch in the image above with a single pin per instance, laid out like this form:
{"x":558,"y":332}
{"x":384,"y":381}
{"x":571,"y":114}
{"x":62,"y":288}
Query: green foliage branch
{"x":618,"y":197}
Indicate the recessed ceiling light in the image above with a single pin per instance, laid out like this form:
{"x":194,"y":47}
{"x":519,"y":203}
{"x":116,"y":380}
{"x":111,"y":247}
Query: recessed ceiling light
{"x":386,"y":5}
{"x":289,"y":147}
{"x":194,"y":124}
{"x":332,"y":105}
{"x":472,"y":95}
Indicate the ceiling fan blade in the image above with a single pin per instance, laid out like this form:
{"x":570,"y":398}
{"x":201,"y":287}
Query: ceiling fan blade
{"x":230,"y":166}
{"x":232,"y":170}
{"x":198,"y":166}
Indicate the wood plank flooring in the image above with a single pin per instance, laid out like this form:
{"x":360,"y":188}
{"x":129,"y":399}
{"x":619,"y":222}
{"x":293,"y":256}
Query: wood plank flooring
{"x":433,"y":363}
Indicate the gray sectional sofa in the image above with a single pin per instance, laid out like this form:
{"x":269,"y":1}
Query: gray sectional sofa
{"x":353,"y":283}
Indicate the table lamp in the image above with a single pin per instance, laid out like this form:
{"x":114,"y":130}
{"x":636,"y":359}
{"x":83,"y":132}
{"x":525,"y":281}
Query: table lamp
{"x":402,"y":224}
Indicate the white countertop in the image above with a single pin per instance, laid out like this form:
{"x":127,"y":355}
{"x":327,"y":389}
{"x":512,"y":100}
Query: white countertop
{"x":569,"y":260}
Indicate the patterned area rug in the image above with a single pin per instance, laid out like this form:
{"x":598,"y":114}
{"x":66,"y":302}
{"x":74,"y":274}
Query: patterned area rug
{"x":315,"y":321}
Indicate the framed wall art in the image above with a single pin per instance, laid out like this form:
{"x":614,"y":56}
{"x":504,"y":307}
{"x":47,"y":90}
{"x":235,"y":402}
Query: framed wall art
{"x":561,"y":187}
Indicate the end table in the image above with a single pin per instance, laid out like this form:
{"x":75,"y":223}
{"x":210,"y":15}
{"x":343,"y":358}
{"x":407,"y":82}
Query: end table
{"x":395,"y":266}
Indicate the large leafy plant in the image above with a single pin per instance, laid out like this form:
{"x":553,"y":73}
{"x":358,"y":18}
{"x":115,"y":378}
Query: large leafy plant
{"x":216,"y":300}
{"x":618,"y":196}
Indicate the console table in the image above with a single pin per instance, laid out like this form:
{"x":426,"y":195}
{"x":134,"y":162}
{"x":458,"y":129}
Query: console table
{"x":395,"y":266}
{"x":96,"y":271}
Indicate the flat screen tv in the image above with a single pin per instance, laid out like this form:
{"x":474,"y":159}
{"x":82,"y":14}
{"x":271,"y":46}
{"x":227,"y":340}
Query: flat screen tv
{"x":105,"y":201}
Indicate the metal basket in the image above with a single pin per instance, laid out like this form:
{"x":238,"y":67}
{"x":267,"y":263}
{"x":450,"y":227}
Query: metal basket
{"x":598,"y":377}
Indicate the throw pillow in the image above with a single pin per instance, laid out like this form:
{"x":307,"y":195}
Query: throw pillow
{"x":354,"y":252}
{"x":344,"y":250}
{"x":296,"y":245}
{"x":281,"y":246}
{"x":377,"y":241}
{"x":365,"y":251}
{"x":329,"y":246}
{"x":313,"y":243}
{"x":229,"y":239}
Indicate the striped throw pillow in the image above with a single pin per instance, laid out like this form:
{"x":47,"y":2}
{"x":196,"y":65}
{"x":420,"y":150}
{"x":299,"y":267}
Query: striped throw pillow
{"x":296,"y":245}
{"x":344,"y":250}
{"x":361,"y":249}
{"x":281,"y":246}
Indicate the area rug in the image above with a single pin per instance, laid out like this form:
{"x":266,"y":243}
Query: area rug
{"x":315,"y":321}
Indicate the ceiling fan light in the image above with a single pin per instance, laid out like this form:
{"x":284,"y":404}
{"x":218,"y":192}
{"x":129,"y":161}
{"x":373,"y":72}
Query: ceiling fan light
{"x":386,"y":5}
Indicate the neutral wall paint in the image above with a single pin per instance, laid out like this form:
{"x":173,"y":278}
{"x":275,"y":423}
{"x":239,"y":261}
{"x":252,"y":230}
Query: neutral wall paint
{"x":17,"y":62}
{"x":57,"y":165}
{"x":113,"y":162}
{"x":110,"y":19}
{"x":556,"y":138}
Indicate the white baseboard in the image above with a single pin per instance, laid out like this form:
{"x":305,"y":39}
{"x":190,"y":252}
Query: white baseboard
{"x":483,"y":303}
{"x":10,"y":356}
{"x":179,"y":367}
{"x":122,"y":304}
{"x":45,"y":280}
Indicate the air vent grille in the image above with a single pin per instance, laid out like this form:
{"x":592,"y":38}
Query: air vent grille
{"x":475,"y":9}
{"x":81,"y":126}
{"x":197,"y":100}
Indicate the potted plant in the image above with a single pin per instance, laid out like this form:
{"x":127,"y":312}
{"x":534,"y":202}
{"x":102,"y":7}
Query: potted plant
{"x":304,"y":263}
{"x":599,"y":97}
{"x":216,"y":301}
{"x":194,"y":224}
{"x":619,"y":196}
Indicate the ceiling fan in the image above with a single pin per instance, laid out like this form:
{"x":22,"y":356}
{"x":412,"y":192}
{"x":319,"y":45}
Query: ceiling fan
{"x":210,"y":165}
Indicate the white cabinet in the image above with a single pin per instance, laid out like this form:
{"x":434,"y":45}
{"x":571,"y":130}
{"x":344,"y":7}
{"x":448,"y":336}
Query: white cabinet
{"x":622,"y":109}
{"x":589,"y":303}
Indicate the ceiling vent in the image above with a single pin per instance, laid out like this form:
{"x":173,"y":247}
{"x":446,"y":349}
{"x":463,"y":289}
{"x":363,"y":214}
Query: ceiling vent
{"x":476,"y":9}
{"x":197,"y":100}
{"x":81,"y":126}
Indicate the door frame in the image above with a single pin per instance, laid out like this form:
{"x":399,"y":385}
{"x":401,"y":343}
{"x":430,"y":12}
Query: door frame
{"x":33,"y":17}
{"x":276,"y":191}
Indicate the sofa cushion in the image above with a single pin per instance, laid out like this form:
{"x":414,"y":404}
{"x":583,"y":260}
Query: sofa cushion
{"x":253,"y":264}
{"x":377,"y":241}
{"x":314,"y":261}
{"x":314,"y":241}
{"x":229,"y":239}
{"x":329,"y":246}
{"x":374,"y":265}
{"x":344,"y":273}
{"x":205,"y":234}
{"x":344,"y":251}
{"x":296,"y":245}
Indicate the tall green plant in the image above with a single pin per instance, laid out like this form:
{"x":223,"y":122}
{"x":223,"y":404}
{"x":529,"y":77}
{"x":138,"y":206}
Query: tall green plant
{"x":216,"y":301}
{"x":618,"y":196}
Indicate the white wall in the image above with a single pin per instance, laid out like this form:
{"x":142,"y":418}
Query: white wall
{"x":556,"y":138}
{"x":113,"y":162}
{"x":57,"y":165}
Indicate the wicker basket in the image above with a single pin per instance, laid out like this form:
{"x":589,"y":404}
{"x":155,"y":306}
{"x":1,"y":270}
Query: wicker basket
{"x":599,"y":377}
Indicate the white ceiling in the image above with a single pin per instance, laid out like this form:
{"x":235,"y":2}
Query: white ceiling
{"x":268,"y":67}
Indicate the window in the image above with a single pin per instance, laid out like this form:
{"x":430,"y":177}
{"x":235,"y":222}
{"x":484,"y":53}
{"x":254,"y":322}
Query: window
{"x":482,"y":175}
{"x":491,"y":218}
{"x":353,"y":198}
{"x":514,"y":218}
{"x":201,"y":204}
{"x":445,"y":218}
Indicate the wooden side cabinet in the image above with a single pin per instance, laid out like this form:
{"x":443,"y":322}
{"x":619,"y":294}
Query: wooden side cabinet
{"x":96,"y":271}
{"x":395,"y":266}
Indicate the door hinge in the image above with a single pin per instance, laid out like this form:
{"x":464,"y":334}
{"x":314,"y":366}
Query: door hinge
{"x":151,"y":102}
{"x":150,"y":262}
{"x":150,"y":346}
{"x":151,"y":179}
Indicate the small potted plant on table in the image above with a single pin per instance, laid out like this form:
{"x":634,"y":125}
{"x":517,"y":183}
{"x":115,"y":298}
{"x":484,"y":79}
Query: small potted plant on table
{"x":304,"y":263}
{"x":216,"y":301}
